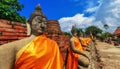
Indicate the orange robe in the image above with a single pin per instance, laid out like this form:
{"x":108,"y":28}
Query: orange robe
{"x":85,"y":41}
{"x":41,"y":53}
{"x":72,"y":61}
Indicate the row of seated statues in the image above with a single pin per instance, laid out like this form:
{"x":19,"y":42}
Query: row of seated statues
{"x":39,"y":52}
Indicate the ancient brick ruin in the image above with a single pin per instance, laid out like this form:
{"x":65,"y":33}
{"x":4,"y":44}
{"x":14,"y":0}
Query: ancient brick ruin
{"x":117,"y":31}
{"x":11,"y":31}
{"x":53,"y":27}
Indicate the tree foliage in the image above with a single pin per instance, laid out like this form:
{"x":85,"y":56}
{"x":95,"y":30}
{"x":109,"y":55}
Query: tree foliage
{"x":67,"y":33}
{"x":106,"y":26}
{"x":102,"y":37}
{"x":9,"y":10}
{"x":80,"y":32}
{"x":93,"y":29}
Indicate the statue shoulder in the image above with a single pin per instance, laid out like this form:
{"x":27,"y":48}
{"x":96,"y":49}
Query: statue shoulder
{"x":72,"y":39}
{"x":15,"y":44}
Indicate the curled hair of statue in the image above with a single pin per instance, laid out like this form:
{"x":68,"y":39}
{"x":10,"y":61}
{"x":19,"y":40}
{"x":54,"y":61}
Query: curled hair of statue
{"x":37,"y":12}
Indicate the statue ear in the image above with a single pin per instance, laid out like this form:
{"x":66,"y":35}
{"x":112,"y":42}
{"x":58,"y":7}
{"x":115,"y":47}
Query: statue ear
{"x":28,"y":29}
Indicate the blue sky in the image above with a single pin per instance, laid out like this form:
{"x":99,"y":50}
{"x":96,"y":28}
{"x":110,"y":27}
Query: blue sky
{"x":82,"y":13}
{"x":55,"y":9}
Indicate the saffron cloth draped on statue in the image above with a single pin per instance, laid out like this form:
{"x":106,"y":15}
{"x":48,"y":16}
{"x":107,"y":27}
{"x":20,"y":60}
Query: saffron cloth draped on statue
{"x":85,"y":42}
{"x":41,"y":53}
{"x":72,"y":61}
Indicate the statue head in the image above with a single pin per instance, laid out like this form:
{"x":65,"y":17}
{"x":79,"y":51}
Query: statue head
{"x":37,"y":21}
{"x":80,"y":34}
{"x":74,"y":31}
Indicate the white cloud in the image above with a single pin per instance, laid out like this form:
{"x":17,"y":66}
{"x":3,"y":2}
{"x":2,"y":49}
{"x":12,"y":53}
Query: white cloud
{"x":116,"y":12}
{"x":107,"y":12}
{"x":79,"y":20}
{"x":115,"y":2}
{"x":93,"y":9}
{"x":115,"y":8}
{"x":110,"y":21}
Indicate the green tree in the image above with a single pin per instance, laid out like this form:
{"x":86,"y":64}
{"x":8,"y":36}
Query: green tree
{"x":80,"y":32}
{"x":94,"y":30}
{"x":9,"y":10}
{"x":102,"y":37}
{"x":67,"y":33}
{"x":106,"y":26}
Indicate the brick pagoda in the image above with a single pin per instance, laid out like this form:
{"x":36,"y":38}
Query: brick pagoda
{"x":55,"y":33}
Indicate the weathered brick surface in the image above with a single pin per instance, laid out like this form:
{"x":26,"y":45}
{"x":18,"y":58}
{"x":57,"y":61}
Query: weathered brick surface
{"x":8,"y":37}
{"x":53,"y":26}
{"x":20,"y":27}
{"x":117,"y":31}
{"x":5,"y":21}
{"x":11,"y":31}
{"x":2,"y":25}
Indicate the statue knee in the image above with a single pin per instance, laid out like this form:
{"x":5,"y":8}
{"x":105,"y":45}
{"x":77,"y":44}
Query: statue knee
{"x":83,"y":62}
{"x":86,"y":63}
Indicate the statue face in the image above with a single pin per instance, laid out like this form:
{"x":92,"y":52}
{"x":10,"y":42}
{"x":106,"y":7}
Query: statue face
{"x":75,"y":34}
{"x":37,"y":25}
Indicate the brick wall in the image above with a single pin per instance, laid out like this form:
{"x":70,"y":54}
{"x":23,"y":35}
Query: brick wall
{"x":11,"y":31}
